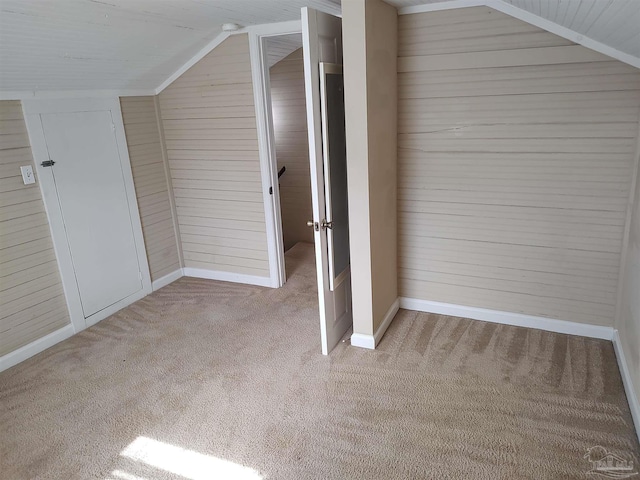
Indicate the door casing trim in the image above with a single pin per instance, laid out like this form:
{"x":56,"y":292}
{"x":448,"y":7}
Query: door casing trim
{"x":266,"y":142}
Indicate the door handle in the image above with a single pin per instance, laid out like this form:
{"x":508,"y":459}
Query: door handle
{"x":312,"y":224}
{"x":326,"y":224}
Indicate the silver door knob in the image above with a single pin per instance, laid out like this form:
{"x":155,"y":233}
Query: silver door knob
{"x":310,"y":223}
{"x":326,"y":224}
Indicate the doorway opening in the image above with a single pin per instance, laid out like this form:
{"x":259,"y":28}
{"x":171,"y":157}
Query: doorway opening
{"x":299,"y":87}
{"x":290,"y":136}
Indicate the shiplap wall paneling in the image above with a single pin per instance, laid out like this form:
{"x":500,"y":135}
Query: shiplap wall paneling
{"x":614,"y":23}
{"x":209,"y":122}
{"x":150,"y":180}
{"x":32,"y":302}
{"x":515,"y":160}
{"x":292,"y":147}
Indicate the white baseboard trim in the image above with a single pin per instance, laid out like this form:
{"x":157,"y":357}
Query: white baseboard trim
{"x":227,"y":276}
{"x":166,"y":280}
{"x":634,"y":402}
{"x":371,"y":341}
{"x":363,"y":341}
{"x":507,"y":318}
{"x":35,"y":347}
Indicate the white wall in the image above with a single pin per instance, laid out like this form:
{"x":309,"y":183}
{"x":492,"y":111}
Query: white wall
{"x":516,"y":152}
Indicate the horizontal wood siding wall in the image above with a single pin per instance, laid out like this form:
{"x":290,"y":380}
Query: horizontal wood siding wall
{"x":32,"y":302}
{"x":515,"y":159}
{"x":208,"y":115}
{"x":292,"y":147}
{"x":150,"y":179}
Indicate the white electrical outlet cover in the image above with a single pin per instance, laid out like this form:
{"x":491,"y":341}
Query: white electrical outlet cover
{"x":27,"y":175}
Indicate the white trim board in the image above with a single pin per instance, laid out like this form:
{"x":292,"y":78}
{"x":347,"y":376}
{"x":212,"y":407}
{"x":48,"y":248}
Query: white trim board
{"x":264,"y":29}
{"x":35,"y":347}
{"x":271,"y":201}
{"x":632,"y":399}
{"x":266,"y":143}
{"x":507,"y":318}
{"x":530,"y":18}
{"x":167,"y":279}
{"x":372,"y":341}
{"x":41,"y":94}
{"x":226,"y":276}
{"x":193,"y":60}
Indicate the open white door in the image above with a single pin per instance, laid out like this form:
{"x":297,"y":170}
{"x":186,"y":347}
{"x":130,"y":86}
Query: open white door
{"x":322,"y":44}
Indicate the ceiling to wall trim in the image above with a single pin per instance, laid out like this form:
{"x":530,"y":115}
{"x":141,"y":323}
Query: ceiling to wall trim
{"x":293,"y":26}
{"x":530,"y":18}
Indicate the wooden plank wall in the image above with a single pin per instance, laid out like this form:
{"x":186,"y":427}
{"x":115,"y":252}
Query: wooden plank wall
{"x":292,"y":147}
{"x":208,"y":115}
{"x":150,"y":180}
{"x":31,"y":295}
{"x":516,"y":150}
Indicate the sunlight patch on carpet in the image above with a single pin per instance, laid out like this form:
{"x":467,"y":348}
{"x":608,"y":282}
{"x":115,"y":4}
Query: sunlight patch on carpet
{"x":186,"y":463}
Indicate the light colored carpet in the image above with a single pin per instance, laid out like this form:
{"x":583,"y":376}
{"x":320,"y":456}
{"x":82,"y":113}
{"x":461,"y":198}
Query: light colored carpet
{"x":204,"y":371}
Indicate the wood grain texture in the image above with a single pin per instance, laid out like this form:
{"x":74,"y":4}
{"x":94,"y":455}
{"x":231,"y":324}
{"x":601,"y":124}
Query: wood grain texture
{"x":32,"y":302}
{"x":209,"y":123}
{"x":515,"y":164}
{"x":150,"y":180}
{"x":292,"y":147}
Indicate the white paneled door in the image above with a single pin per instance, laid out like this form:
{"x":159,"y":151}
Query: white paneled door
{"x":85,"y":175}
{"x":322,"y":50}
{"x":91,"y":191}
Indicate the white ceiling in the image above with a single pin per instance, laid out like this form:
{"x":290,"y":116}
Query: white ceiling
{"x":282,"y":46}
{"x":119,"y":44}
{"x":138,"y":44}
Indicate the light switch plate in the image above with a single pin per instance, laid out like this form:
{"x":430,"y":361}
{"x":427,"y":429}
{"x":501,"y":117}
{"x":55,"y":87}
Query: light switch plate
{"x":27,"y":175}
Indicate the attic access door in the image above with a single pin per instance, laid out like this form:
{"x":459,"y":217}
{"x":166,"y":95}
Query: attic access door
{"x":86,"y":181}
{"x":322,"y":49}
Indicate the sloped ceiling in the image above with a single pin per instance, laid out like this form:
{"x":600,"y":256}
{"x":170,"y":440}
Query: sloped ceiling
{"x":282,"y":46}
{"x":615,"y":23}
{"x":119,"y":44}
{"x":48,"y":45}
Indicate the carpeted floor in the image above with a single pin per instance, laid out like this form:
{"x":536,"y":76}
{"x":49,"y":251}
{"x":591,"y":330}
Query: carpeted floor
{"x":205,"y":379}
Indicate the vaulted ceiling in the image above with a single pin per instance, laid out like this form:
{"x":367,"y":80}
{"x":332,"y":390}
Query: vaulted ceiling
{"x":137,"y":44}
{"x":119,"y":44}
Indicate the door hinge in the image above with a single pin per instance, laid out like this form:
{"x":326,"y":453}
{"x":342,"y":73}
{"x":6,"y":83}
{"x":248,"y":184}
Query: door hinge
{"x":48,"y":163}
{"x":270,"y":190}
